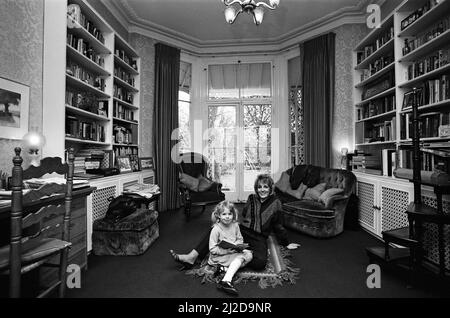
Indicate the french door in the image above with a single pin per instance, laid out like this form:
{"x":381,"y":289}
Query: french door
{"x":239,"y":145}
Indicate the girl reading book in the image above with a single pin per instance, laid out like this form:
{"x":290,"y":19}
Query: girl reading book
{"x":226,"y":245}
{"x":261,"y":216}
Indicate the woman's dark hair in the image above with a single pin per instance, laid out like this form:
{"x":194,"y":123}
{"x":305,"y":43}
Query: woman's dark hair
{"x":265,"y":179}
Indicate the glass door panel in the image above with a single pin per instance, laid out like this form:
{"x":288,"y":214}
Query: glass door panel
{"x":222,"y":145}
{"x":257,"y":123}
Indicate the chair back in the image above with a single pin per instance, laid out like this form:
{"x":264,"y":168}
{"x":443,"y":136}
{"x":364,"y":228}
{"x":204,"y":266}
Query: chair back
{"x":193,"y":164}
{"x":29,"y":228}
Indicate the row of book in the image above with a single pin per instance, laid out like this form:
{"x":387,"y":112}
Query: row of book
{"x":428,"y":124}
{"x":83,"y":46}
{"x":124,"y":57}
{"x":124,"y":75}
{"x":376,"y":66}
{"x":379,"y":42}
{"x":376,"y":107}
{"x":123,"y":94}
{"x":429,"y":34}
{"x":380,"y":131}
{"x":84,"y":129}
{"x":124,"y":151}
{"x":429,"y":92}
{"x":430,"y":159}
{"x":84,"y":75}
{"x":428,"y":64}
{"x":416,"y":14}
{"x":75,"y":13}
{"x":122,"y":112}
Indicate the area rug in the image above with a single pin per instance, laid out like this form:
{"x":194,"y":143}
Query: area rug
{"x":279,"y":269}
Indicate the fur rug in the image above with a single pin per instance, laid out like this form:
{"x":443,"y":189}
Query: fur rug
{"x":279,"y":269}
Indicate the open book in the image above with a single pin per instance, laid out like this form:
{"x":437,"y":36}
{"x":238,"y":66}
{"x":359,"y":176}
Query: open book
{"x":238,"y":247}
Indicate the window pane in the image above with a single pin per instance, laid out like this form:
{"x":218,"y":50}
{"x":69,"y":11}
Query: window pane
{"x":183,"y":124}
{"x":222,"y":145}
{"x":257,"y":142}
{"x":255,"y":80}
{"x":185,"y":81}
{"x":222,"y":81}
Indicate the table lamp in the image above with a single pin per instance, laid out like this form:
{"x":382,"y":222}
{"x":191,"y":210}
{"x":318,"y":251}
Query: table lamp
{"x":33,"y":143}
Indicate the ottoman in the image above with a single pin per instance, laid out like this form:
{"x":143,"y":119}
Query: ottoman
{"x":132,"y":235}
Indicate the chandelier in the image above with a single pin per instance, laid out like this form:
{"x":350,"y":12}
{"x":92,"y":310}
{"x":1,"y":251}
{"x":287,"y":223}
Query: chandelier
{"x":249,"y":6}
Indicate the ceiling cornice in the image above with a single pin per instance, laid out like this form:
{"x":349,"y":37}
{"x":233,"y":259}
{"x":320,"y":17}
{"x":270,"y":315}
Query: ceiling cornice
{"x":129,"y":19}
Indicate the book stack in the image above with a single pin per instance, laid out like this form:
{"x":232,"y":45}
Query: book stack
{"x":367,"y":164}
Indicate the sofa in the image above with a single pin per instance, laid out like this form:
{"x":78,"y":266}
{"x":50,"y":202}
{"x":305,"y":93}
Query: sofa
{"x":315,"y":199}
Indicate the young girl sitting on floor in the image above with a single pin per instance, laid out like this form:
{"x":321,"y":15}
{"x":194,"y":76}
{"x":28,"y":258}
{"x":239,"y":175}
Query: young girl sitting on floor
{"x":226,"y":228}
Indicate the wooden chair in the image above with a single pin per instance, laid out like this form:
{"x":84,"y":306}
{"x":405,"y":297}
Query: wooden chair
{"x":195,"y":165}
{"x":31,"y":244}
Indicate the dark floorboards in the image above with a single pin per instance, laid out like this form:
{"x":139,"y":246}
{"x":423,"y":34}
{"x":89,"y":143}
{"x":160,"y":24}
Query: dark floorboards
{"x":329,"y":268}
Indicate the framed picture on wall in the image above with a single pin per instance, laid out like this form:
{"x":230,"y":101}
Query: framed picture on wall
{"x":14,"y":108}
{"x":124,"y":164}
{"x":146,"y":163}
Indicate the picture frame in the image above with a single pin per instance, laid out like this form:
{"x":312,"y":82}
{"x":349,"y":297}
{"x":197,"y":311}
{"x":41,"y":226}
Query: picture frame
{"x":134,"y":161}
{"x":14,"y":109}
{"x":124,"y":164}
{"x":408,"y":99}
{"x":146,"y":163}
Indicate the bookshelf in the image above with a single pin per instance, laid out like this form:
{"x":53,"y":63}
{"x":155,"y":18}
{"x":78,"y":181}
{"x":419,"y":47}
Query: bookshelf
{"x":409,"y":50}
{"x":421,"y":72}
{"x":375,"y":96}
{"x":125,"y":99}
{"x":102,"y":100}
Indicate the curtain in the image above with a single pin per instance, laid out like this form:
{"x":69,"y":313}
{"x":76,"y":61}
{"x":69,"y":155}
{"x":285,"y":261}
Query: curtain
{"x":167,"y":72}
{"x":318,"y":98}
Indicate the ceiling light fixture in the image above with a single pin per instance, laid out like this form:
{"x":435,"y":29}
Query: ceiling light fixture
{"x":249,"y":6}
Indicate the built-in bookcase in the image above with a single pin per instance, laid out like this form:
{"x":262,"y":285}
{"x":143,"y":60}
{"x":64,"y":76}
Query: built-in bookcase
{"x":410,"y":50}
{"x":101,"y":85}
{"x":125,"y":98}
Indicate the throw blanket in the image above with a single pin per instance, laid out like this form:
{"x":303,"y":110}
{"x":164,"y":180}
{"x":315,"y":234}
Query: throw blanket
{"x":264,"y":217}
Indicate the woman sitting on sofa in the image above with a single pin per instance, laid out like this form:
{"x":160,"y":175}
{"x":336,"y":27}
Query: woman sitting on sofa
{"x":260,"y":216}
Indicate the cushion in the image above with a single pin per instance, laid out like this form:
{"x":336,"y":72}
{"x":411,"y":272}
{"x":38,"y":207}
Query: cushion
{"x":204,"y":184}
{"x":299,"y":192}
{"x":315,"y":192}
{"x":283,"y":183}
{"x":190,"y":182}
{"x":328,"y":194}
{"x":298,"y":174}
{"x":312,"y":177}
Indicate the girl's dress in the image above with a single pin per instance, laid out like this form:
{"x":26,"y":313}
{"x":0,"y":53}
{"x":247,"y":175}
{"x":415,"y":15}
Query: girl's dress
{"x":222,"y":256}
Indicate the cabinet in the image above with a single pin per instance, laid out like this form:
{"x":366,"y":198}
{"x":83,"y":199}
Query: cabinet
{"x":382,"y":202}
{"x":101,"y":86}
{"x":409,"y":50}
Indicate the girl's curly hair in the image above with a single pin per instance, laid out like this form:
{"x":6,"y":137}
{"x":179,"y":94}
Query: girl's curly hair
{"x":220,"y":208}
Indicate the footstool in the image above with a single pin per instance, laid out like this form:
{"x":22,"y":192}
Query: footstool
{"x":131,"y":235}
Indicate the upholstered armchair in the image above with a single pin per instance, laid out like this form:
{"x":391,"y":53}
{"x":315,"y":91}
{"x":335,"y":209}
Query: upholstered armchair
{"x":315,"y":199}
{"x":196,"y":187}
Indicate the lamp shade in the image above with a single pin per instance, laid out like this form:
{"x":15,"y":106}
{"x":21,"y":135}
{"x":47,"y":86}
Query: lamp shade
{"x":274,"y":3}
{"x":258,"y":15}
{"x":33,"y":140}
{"x":230,"y":14}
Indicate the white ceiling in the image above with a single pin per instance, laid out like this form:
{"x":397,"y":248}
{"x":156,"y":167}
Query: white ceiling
{"x":202,"y":22}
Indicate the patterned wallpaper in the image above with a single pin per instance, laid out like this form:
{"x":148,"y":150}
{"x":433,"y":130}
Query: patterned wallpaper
{"x":145,"y":48}
{"x":21,"y":38}
{"x":347,"y":37}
